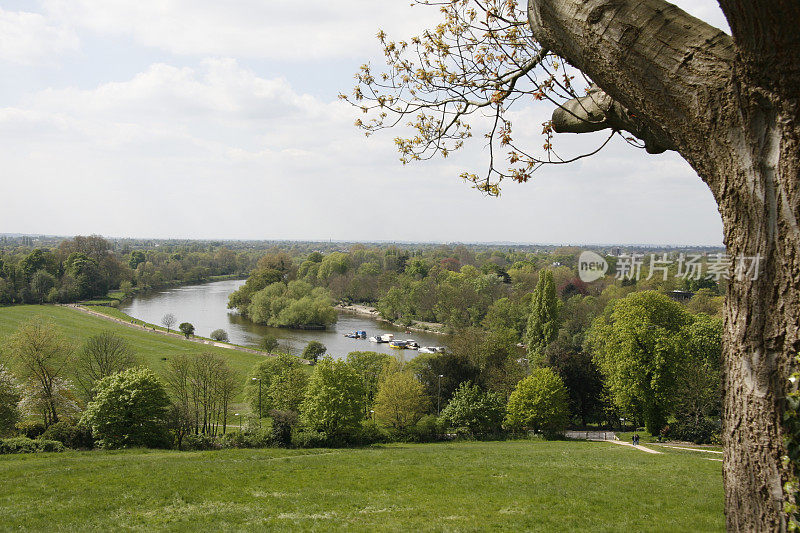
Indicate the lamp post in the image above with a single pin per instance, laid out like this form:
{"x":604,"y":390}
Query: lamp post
{"x":259,"y":400}
{"x":372,"y":413}
{"x":240,"y":421}
{"x":439,"y":396}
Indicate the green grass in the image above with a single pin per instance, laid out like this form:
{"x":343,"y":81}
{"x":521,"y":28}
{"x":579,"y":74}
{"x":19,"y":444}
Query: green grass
{"x":154,"y":350}
{"x":501,"y":486}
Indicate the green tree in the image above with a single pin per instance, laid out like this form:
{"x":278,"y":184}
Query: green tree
{"x":313,"y":351}
{"x":43,"y":356}
{"x":269,"y":343}
{"x":638,"y":347}
{"x":129,"y":409}
{"x":543,"y":319}
{"x":539,"y":403}
{"x":369,"y":366}
{"x":41,"y":283}
{"x":699,"y":394}
{"x":400,"y":401}
{"x":187,"y":329}
{"x":10,"y":396}
{"x":333,"y":402}
{"x":219,"y":335}
{"x":475,"y":410}
{"x":281,"y":381}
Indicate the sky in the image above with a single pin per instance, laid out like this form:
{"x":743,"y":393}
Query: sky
{"x":220,"y":120}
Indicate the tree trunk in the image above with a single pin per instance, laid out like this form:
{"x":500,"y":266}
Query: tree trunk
{"x":730,"y":107}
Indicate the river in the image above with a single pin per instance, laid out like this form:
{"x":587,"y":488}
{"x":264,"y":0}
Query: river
{"x":206,"y":307}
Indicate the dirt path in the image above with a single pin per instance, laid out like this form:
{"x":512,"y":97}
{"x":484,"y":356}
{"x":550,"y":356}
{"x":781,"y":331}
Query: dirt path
{"x":639,"y":447}
{"x":134,"y":324}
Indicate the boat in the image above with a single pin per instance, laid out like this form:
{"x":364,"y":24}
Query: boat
{"x":356,"y":335}
{"x":386,"y":337}
{"x":412,"y":344}
{"x":431,"y":349}
{"x":375,"y":339}
{"x":397,"y":345}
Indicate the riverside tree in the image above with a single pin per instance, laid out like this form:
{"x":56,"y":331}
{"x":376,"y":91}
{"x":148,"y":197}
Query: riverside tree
{"x":727,"y":103}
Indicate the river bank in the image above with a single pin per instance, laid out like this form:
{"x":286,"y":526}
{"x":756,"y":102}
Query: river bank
{"x":416,"y":325}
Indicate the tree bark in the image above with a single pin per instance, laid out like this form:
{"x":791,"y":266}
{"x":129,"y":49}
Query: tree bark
{"x":730,"y":107}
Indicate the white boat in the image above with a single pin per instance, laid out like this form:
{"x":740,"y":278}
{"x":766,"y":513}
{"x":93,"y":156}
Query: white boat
{"x":412,"y":344}
{"x":375,"y":339}
{"x":387,"y":337}
{"x":431,"y":349}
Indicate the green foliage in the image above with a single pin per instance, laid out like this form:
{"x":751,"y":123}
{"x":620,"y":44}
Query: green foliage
{"x":400,"y":401}
{"x":454,"y":369}
{"x":543,"y":320}
{"x":313,"y":351}
{"x":333,"y":402}
{"x":539,"y":403}
{"x":187,"y":329}
{"x":477,"y":411}
{"x":10,"y":396}
{"x":219,"y":335}
{"x":129,"y":409}
{"x":26,"y":445}
{"x":269,"y":343}
{"x":296,"y":304}
{"x":70,"y":435}
{"x":639,"y":347}
{"x":282,"y":381}
{"x":369,"y":366}
{"x":30,"y":428}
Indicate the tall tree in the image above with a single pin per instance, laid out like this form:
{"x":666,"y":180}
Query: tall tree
{"x":727,"y":103}
{"x":43,"y":356}
{"x":102,"y":355}
{"x":543,"y":320}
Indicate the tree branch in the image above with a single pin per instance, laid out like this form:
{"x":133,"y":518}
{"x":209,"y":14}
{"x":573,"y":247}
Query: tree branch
{"x":656,"y":62}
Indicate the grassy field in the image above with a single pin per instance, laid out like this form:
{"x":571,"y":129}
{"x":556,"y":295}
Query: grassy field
{"x":154,"y":350}
{"x":467,"y":486}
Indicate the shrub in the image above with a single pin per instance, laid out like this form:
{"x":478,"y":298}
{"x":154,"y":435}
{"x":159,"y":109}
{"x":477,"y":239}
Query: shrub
{"x":282,"y":424}
{"x":70,"y":435}
{"x":474,"y":412}
{"x":309,"y":438}
{"x":26,"y":445}
{"x":187,"y":329}
{"x":219,"y":335}
{"x":198,"y":442}
{"x":30,"y":428}
{"x":371,"y":433}
{"x":425,"y":430}
{"x":705,"y":431}
{"x":253,"y":439}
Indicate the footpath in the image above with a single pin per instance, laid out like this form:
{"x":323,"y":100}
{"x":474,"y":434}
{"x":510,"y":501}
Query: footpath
{"x":150,"y":329}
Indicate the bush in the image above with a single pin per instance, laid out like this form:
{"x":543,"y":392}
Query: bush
{"x":26,"y":445}
{"x":198,"y":442}
{"x":30,"y":428}
{"x":704,"y":432}
{"x":282,"y":424}
{"x":309,"y":438}
{"x":70,"y":435}
{"x":425,"y":430}
{"x":472,"y":411}
{"x":219,"y":335}
{"x":371,"y":433}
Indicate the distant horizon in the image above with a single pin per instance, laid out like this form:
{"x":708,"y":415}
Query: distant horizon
{"x":373,"y":241}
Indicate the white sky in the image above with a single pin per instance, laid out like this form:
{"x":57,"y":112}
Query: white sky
{"x":209,"y":119}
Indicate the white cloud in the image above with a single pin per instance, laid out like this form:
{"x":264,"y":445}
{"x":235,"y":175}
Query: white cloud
{"x":274,"y":29}
{"x":29,"y":38}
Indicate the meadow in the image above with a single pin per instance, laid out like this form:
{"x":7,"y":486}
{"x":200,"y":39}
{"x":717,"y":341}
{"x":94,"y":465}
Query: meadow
{"x":154,"y":350}
{"x":530,"y":485}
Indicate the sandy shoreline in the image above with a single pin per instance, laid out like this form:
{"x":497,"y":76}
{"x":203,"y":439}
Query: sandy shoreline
{"x":365,"y":310}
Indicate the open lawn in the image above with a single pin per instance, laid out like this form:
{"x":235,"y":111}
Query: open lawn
{"x":466,"y":486}
{"x":154,"y":350}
